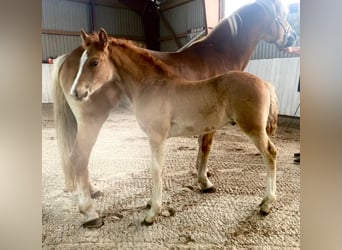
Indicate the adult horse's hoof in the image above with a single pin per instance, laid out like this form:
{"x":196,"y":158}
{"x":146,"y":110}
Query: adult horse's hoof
{"x":145,"y":223}
{"x":96,"y":223}
{"x":209,"y":190}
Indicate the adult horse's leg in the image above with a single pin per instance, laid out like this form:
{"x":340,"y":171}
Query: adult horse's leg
{"x":88,"y":130}
{"x":157,"y":148}
{"x":205,"y":142}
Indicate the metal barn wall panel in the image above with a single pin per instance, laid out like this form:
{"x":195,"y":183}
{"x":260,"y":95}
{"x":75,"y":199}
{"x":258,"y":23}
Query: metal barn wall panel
{"x":47,"y":83}
{"x":266,"y":50}
{"x":65,"y":15}
{"x":56,"y":45}
{"x":171,"y":46}
{"x":62,"y":21}
{"x":121,"y":22}
{"x":283,"y":73}
{"x":186,"y":21}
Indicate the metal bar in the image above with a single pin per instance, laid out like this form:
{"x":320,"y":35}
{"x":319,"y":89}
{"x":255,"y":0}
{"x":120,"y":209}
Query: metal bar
{"x":92,"y":15}
{"x":178,"y":36}
{"x":292,"y":118}
{"x":168,"y":26}
{"x":205,"y":16}
{"x":203,"y":32}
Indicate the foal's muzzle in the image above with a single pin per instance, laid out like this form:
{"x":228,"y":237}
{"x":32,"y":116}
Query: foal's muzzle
{"x":80,"y":95}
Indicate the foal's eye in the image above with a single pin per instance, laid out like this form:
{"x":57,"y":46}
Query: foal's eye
{"x":94,"y":63}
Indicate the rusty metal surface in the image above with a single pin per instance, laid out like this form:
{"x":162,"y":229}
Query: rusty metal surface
{"x":227,"y":219}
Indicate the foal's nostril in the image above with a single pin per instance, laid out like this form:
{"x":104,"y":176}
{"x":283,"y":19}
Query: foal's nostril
{"x":79,"y":94}
{"x":74,"y":93}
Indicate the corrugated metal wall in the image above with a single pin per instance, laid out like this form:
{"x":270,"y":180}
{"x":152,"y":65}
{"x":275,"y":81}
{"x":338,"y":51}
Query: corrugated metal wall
{"x":120,"y":22}
{"x":186,"y":20}
{"x":283,"y":73}
{"x":65,"y":15}
{"x":47,"y":88}
{"x":62,"y":21}
{"x":55,"y":45}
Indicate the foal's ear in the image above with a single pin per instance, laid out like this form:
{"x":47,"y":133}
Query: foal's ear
{"x":84,"y":37}
{"x":103,"y":38}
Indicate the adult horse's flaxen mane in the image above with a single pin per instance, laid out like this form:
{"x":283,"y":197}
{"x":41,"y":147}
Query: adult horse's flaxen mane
{"x":224,"y":49}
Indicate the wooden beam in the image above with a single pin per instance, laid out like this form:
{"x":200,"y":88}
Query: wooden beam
{"x":61,"y":32}
{"x":77,"y":33}
{"x":173,"y":4}
{"x":108,"y":3}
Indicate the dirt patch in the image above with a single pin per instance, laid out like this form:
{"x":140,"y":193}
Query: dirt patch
{"x":226,"y":219}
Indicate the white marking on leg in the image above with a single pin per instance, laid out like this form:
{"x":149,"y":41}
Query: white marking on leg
{"x":83,"y":59}
{"x":157,"y":182}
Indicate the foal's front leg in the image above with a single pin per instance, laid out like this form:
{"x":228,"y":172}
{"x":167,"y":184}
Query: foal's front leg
{"x":205,"y":142}
{"x":79,"y":159}
{"x":157,"y":148}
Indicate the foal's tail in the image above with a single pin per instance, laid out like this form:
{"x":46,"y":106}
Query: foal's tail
{"x":272,"y":119}
{"x":66,"y":125}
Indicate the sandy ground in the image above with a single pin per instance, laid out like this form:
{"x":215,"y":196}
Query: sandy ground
{"x":227,"y":219}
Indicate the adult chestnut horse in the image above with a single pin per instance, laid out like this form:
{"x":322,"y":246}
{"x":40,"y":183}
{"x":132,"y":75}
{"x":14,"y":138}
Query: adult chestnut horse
{"x":228,"y":47}
{"x":167,"y":105}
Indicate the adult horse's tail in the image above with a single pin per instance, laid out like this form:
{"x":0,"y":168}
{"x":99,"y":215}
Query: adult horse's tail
{"x":272,"y":120}
{"x":66,"y":125}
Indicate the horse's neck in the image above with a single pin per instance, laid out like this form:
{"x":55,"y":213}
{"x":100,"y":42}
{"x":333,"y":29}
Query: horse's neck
{"x":236,"y":39}
{"x":137,"y":70}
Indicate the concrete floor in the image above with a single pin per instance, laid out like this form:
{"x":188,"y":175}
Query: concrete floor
{"x":227,"y":219}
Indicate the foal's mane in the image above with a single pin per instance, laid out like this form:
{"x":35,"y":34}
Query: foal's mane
{"x":142,"y":55}
{"x":137,"y":54}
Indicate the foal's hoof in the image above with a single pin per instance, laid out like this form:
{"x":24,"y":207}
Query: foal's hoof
{"x":145,"y":223}
{"x":96,"y":223}
{"x":209,"y":190}
{"x":96,"y":194}
{"x":263,"y":213}
{"x":264,"y":208}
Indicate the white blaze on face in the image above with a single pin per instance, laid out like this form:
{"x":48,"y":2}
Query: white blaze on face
{"x":83,"y":59}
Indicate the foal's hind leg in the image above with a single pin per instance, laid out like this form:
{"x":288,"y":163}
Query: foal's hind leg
{"x":269,"y":153}
{"x":205,"y":142}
